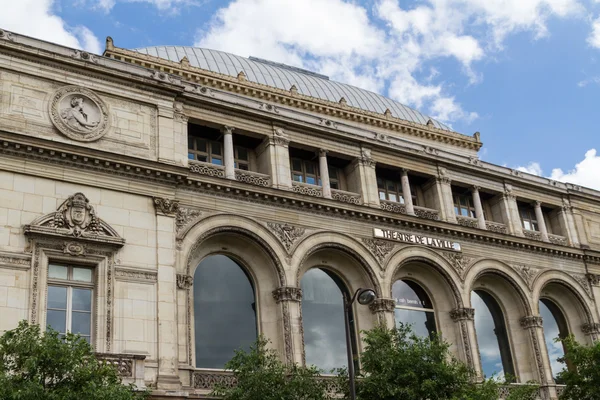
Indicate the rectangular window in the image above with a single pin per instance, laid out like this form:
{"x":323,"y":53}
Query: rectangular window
{"x":528,"y":218}
{"x":241,"y":158}
{"x":334,"y":177}
{"x":305,"y":171}
{"x":463,"y":205}
{"x":70,"y":297}
{"x":392,"y":191}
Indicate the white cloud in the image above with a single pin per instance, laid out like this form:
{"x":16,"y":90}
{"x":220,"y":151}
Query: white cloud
{"x":35,"y":18}
{"x":533,"y":168}
{"x":169,"y":6}
{"x":385,"y":49}
{"x":586,"y":172}
{"x":594,"y":38}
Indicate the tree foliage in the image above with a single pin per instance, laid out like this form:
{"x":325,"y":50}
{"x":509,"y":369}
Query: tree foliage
{"x":582,"y":380}
{"x":260,"y":375}
{"x":45,"y":366}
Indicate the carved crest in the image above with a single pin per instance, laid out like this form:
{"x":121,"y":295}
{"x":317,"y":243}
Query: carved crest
{"x":184,"y":217}
{"x":459,"y":262}
{"x":79,"y":113}
{"x":287,"y":234}
{"x":287,"y":293}
{"x":379,"y":248}
{"x":527,"y":273}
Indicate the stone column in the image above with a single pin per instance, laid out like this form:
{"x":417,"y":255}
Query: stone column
{"x":228,"y":158}
{"x":533,"y":324}
{"x":567,"y":223}
{"x":510,"y":210}
{"x":165,"y":133}
{"x":408,"y":203}
{"x":324,"y":173}
{"x":362,"y":178}
{"x":274,"y":159}
{"x":478,"y":208}
{"x":168,"y":359}
{"x":539,"y":215}
{"x":465,"y":319}
{"x":445,"y":189}
{"x":384,"y":310}
{"x":290,"y":298}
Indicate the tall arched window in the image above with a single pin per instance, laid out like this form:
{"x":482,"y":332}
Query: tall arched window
{"x":492,"y":337}
{"x":224,"y":311}
{"x":555,"y":326}
{"x":323,"y":320}
{"x":414,"y":307}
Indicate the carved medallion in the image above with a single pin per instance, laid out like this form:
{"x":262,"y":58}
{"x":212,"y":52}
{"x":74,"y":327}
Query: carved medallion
{"x":379,"y":248}
{"x":79,"y":114}
{"x":288,"y":234}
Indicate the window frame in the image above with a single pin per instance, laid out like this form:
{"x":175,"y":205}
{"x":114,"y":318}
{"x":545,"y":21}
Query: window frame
{"x":458,"y":206}
{"x":302,"y":173}
{"x":208,"y":154}
{"x":398,"y":191}
{"x":240,"y":163}
{"x":425,"y":310}
{"x":70,"y":284}
{"x":530,"y":219}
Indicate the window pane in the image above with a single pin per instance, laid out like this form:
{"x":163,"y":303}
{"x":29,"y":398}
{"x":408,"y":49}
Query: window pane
{"x":392,"y":197}
{"x":464,"y":212}
{"x":216,"y":161}
{"x":81,"y":322}
{"x":191,"y":156}
{"x":191,"y":142}
{"x":243,"y":166}
{"x":391,"y":186}
{"x":57,"y":271}
{"x":224,"y":311}
{"x":408,"y":293}
{"x":57,"y":320}
{"x":323,"y":321}
{"x":311,"y":180}
{"x":456,"y":210}
{"x":382,"y":196}
{"x":310,"y":168}
{"x":82,"y":274}
{"x":296,"y":165}
{"x":215,"y":148}
{"x":297,"y":178}
{"x":333,"y":172}
{"x":201,"y":158}
{"x":242,"y":154}
{"x":57,"y":297}
{"x":527,"y":225}
{"x":422,"y":322}
{"x":82,"y":299}
{"x":551,"y":332}
{"x":334,"y":185}
{"x":201,"y":145}
{"x":380,"y":183}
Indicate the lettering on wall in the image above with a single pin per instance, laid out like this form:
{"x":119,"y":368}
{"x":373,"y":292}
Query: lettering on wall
{"x":390,"y":234}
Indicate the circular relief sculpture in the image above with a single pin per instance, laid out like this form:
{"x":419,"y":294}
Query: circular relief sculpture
{"x":79,"y":113}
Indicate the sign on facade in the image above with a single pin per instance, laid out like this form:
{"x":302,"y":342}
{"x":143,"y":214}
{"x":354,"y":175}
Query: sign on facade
{"x":390,"y":234}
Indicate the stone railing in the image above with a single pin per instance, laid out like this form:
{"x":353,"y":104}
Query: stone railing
{"x":467,"y":221}
{"x":253,"y":178}
{"x":209,"y":169}
{"x":534,"y":235}
{"x":557,"y":239}
{"x":427,"y":213}
{"x":392,"y":206}
{"x":495,"y":227}
{"x":505,"y":390}
{"x":346,"y":197}
{"x":129,"y":366}
{"x":208,"y":380}
{"x":307,"y":189}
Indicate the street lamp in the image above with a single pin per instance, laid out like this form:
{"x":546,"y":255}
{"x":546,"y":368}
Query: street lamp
{"x":364,"y":297}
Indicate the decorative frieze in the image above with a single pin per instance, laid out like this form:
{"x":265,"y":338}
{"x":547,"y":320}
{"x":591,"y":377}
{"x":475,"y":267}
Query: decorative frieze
{"x":379,"y":248}
{"x":309,"y":190}
{"x":467,"y":221}
{"x":427,"y":213}
{"x":462,"y":314}
{"x":496,"y":227}
{"x":124,"y":363}
{"x":184,"y":281}
{"x":382,"y":305}
{"x":126,"y":274}
{"x":184,"y":217}
{"x":531,"y":321}
{"x":392,"y":206}
{"x":533,"y":235}
{"x":208,"y":380}
{"x":207,"y":169}
{"x":346,"y":197}
{"x":557,"y":239}
{"x":287,"y":293}
{"x":252,"y":178}
{"x":15,"y":260}
{"x":287,"y":234}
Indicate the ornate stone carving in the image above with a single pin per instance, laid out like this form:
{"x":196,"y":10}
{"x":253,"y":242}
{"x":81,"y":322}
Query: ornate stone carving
{"x":366,"y":159}
{"x":594,"y":279}
{"x":166,"y":206}
{"x":346,"y":197}
{"x":268,"y":107}
{"x":253,"y":178}
{"x":15,"y":260}
{"x":392,"y":206}
{"x":328,"y":123}
{"x":287,"y":234}
{"x":467,"y":221}
{"x":76,"y":218}
{"x":126,"y":274}
{"x":475,"y":161}
{"x":309,"y":190}
{"x":184,"y":281}
{"x":531,"y":321}
{"x":527,"y":273}
{"x":591,"y":328}
{"x":124,"y":363}
{"x":74,"y":248}
{"x":79,"y":113}
{"x":427,"y":213}
{"x":184,"y":217}
{"x":557,"y":239}
{"x":379,"y":248}
{"x":4,"y":35}
{"x":85,"y":56}
{"x":287,"y":293}
{"x":534,"y":235}
{"x":382,"y":305}
{"x":210,"y":379}
{"x":583,"y":281}
{"x":459,"y":262}
{"x":207,"y":169}
{"x":495,"y":227}
{"x":462,"y":314}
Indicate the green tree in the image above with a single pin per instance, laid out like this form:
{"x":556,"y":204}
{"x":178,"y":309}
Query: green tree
{"x":45,"y":366}
{"x":261,"y":375}
{"x":582,"y":380}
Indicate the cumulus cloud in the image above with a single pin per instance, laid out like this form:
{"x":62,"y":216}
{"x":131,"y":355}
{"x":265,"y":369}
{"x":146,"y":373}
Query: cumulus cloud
{"x":533,"y":168}
{"x":385,"y":48}
{"x":35,"y":18}
{"x":170,"y":6}
{"x":594,"y":38}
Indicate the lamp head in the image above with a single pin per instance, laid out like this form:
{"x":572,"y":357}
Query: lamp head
{"x":366,"y":296}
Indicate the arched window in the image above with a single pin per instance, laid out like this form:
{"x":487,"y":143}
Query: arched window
{"x":323,"y":320}
{"x":414,"y":307}
{"x":555,"y":326}
{"x":224,"y":311}
{"x":492,"y":337}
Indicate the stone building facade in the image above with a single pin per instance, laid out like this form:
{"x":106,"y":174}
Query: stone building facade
{"x":170,"y":203}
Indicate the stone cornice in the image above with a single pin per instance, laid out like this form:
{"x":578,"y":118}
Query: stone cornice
{"x":233,"y":84}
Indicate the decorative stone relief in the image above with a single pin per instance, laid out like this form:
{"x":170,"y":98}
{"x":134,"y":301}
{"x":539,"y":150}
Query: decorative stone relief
{"x":594,"y":279}
{"x":591,"y":328}
{"x":306,"y":189}
{"x":207,"y":169}
{"x":253,"y":178}
{"x":392,"y":206}
{"x":583,"y":281}
{"x":85,"y":56}
{"x":328,"y":123}
{"x":13,"y":260}
{"x":379,"y":248}
{"x":184,"y":217}
{"x":287,"y":234}
{"x":268,"y":107}
{"x":427,"y":213}
{"x":462,"y":314}
{"x":475,"y":161}
{"x":382,"y":305}
{"x":287,"y":293}
{"x":459,"y":262}
{"x":184,"y":281}
{"x":74,"y":248}
{"x":166,"y":206}
{"x":125,"y":274}
{"x":527,"y":273}
{"x":346,"y":197}
{"x":531,"y":321}
{"x":79,"y":113}
{"x":366,"y":159}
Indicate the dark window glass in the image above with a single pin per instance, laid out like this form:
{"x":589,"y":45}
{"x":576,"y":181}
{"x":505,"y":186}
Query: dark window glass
{"x":492,"y":337}
{"x":414,"y":307}
{"x":555,"y":326}
{"x":224,"y":311}
{"x":323,"y":320}
{"x":305,"y":171}
{"x":528,"y":218}
{"x":463,"y":205}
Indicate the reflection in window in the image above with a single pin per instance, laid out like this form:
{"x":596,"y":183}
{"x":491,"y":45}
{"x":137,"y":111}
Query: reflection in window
{"x":323,"y":320}
{"x":413,"y":307}
{"x":555,"y":326}
{"x":224,"y":311}
{"x":492,"y":337}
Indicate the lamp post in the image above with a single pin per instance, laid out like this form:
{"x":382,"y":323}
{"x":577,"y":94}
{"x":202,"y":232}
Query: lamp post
{"x":365,"y":297}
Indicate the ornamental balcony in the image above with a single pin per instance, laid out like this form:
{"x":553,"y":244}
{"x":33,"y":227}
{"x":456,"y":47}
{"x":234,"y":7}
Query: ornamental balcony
{"x":496,"y":227}
{"x":129,"y":366}
{"x":467,"y":221}
{"x":307,"y":189}
{"x":427,"y":213}
{"x":346,"y":197}
{"x":252,"y":178}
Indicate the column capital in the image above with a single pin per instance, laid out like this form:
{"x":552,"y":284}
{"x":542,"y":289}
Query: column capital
{"x":590,"y":328}
{"x":404,"y":171}
{"x":461,"y":314}
{"x":382,"y":305}
{"x":537,"y":203}
{"x":165,"y":206}
{"x":184,"y":281}
{"x":287,"y":293}
{"x":531,"y":321}
{"x":227,"y":130}
{"x":323,"y":152}
{"x":475,"y":188}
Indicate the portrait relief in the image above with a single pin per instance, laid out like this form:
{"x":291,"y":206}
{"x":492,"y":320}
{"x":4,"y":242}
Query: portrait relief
{"x":79,"y":114}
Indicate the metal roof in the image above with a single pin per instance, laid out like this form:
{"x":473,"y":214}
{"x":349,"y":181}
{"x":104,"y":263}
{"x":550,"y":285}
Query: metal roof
{"x":284,"y":76}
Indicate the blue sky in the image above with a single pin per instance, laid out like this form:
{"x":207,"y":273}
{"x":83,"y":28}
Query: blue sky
{"x":524,"y":73}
